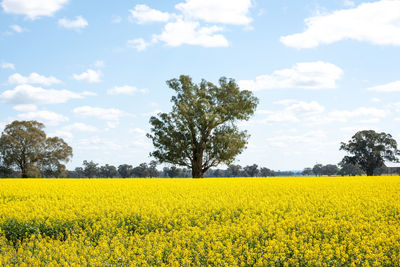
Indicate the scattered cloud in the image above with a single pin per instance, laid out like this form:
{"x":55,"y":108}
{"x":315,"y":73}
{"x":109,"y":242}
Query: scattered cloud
{"x":80,"y":127}
{"x":27,"y":94}
{"x":313,"y":138}
{"x":25,"y":107}
{"x":125,"y":90}
{"x":152,"y":113}
{"x":139,"y":44}
{"x":144,"y":14}
{"x":348,"y":3}
{"x":109,"y":114}
{"x":222,"y":11}
{"x":32,"y":9}
{"x":7,"y":65}
{"x":45,"y":116}
{"x":78,"y":23}
{"x":294,"y":111}
{"x":16,"y":28}
{"x":116,"y":19}
{"x":183,"y":32}
{"x":99,"y":64}
{"x":90,"y":76}
{"x":63,"y":134}
{"x":375,"y":99}
{"x":187,"y":25}
{"x":307,"y":75}
{"x":33,"y":78}
{"x":386,"y":88}
{"x":374,"y":22}
{"x":88,"y":93}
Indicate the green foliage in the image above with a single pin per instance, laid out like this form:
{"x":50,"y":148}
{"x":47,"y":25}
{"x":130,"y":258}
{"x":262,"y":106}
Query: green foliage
{"x":200,"y":132}
{"x":370,"y":150}
{"x":16,"y":231}
{"x":23,"y":144}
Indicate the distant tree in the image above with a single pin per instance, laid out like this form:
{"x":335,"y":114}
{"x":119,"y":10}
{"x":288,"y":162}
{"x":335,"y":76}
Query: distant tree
{"x":219,"y":173}
{"x":349,"y":169}
{"x":265,"y":172}
{"x":329,"y":169}
{"x":234,"y":170}
{"x":174,"y":172}
{"x":5,"y":170}
{"x":90,"y":169}
{"x":79,"y":172}
{"x":200,"y":132}
{"x":307,"y":171}
{"x":153,"y":172}
{"x":141,"y":171}
{"x":24,"y":145}
{"x":317,"y":169}
{"x":125,"y":170}
{"x":251,"y":170}
{"x":108,"y":171}
{"x":370,"y":150}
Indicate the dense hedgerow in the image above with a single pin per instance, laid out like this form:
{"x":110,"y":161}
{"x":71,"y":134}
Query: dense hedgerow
{"x":247,"y":221}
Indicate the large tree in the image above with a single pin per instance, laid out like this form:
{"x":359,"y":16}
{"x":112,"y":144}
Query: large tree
{"x":24,"y":145}
{"x":370,"y":150}
{"x":200,"y":131}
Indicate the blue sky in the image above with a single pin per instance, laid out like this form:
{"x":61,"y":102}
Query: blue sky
{"x":94,"y":71}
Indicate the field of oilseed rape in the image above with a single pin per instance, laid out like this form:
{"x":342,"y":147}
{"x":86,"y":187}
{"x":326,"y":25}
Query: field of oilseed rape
{"x":352,"y":221}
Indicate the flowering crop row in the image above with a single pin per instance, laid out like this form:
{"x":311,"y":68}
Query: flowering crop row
{"x":227,"y":222}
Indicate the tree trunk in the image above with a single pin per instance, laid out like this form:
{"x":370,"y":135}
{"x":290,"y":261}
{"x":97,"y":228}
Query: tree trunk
{"x":370,"y":172}
{"x":24,"y":174}
{"x":197,"y":170}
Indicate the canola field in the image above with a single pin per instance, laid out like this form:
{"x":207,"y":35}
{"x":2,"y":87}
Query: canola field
{"x":301,"y":221}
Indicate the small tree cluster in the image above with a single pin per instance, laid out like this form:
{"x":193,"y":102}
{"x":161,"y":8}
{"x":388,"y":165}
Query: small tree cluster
{"x":25,"y":148}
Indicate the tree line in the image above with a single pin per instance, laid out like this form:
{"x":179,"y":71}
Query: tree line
{"x":91,"y":169}
{"x":199,"y":134}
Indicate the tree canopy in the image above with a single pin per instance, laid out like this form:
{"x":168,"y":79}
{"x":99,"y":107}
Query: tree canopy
{"x":200,"y":131}
{"x":370,"y":150}
{"x":24,"y":145}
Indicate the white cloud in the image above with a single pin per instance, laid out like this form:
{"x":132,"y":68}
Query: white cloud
{"x":125,"y":90}
{"x":139,"y":44}
{"x":17,"y":28}
{"x":314,"y":138}
{"x":99,"y":64}
{"x":7,"y":65}
{"x":375,"y":99}
{"x":137,"y":131}
{"x":80,"y":127}
{"x":78,"y":23}
{"x":183,"y":32}
{"x":389,"y":87}
{"x":27,"y":94}
{"x":110,"y":114}
{"x":116,"y":19}
{"x":63,"y":134}
{"x":152,"y":113}
{"x":45,"y":116}
{"x":88,"y":93}
{"x":221,"y":11}
{"x":375,"y":22}
{"x":345,"y":115}
{"x":144,"y":14}
{"x":32,"y":8}
{"x":294,"y":111}
{"x":348,"y":3}
{"x":90,"y":76}
{"x":308,"y":75}
{"x":33,"y":78}
{"x":25,"y":107}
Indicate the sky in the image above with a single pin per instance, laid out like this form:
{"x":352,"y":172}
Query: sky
{"x":95,"y":71}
